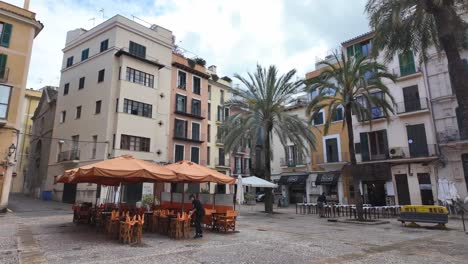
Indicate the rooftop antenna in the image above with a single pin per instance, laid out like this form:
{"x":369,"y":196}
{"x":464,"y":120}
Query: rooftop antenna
{"x":102,"y":11}
{"x":94,"y":21}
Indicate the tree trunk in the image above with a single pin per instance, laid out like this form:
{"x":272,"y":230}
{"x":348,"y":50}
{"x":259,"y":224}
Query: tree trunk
{"x":458,"y":75}
{"x":267,"y":151}
{"x":352,"y":155}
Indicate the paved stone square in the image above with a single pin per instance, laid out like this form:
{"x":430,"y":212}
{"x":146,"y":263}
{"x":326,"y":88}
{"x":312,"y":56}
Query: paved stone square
{"x":42,"y":232}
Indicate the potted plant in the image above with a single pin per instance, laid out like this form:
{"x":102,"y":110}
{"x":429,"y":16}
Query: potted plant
{"x":148,"y":201}
{"x":191,"y":63}
{"x":200,"y":61}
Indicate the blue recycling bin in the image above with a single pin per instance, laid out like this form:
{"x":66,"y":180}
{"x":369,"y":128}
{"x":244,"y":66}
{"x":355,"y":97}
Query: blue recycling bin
{"x":47,"y":195}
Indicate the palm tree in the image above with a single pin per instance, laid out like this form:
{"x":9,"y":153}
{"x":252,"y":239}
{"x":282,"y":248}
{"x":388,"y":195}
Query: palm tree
{"x":352,"y":85}
{"x":405,"y":25}
{"x":262,"y":114}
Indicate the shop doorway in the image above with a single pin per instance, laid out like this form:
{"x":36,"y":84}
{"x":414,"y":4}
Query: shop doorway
{"x":296,"y":193}
{"x":402,"y":189}
{"x":374,"y":193}
{"x":69,"y":193}
{"x":133,"y":192}
{"x":425,"y":186}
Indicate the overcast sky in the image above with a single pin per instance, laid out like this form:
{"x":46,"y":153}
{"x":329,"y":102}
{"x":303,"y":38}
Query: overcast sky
{"x":235,"y":35}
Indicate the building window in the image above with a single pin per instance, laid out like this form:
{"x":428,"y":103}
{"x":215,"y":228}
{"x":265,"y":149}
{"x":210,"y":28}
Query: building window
{"x":69,"y":61}
{"x":98,"y":107}
{"x":78,"y":112}
{"x":195,"y":154}
{"x":93,"y":151}
{"x":81,"y":83}
{"x":3,"y":68}
{"x":66,"y":87}
{"x":104,"y":45}
{"x":63,"y":116}
{"x":221,"y":157}
{"x":139,"y":77}
{"x":220,"y":116}
{"x":338,"y":116}
{"x":360,"y":49}
{"x":407,"y":65}
{"x":319,"y":118}
{"x":84,"y":54}
{"x":134,"y":143}
{"x":376,"y":112}
{"x":196,"y":107}
{"x":181,"y":80}
{"x":209,"y":111}
{"x":226,"y":113}
{"x":181,"y":103}
{"x":209,"y":92}
{"x":5,"y":34}
{"x":222,"y":97}
{"x":101,"y":75}
{"x":180,"y":128}
{"x":179,"y":153}
{"x":208,"y":137}
{"x":208,"y":154}
{"x":195,"y":131}
{"x":238,"y":165}
{"x":137,"y":108}
{"x":5,"y":92}
{"x":137,"y":49}
{"x":374,"y":145}
{"x":196,"y":85}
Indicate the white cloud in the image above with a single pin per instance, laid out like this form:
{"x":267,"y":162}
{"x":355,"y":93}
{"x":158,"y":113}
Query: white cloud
{"x":233,"y":34}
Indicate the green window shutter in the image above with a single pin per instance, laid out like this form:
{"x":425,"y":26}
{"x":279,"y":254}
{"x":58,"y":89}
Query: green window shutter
{"x":350,"y":51}
{"x":3,"y":61}
{"x":406,"y":61}
{"x":385,"y":143}
{"x":364,"y":147}
{"x":5,"y":41}
{"x":357,"y":50}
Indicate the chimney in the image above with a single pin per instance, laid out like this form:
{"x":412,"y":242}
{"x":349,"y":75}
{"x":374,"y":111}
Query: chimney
{"x":212,"y":68}
{"x":26,"y":4}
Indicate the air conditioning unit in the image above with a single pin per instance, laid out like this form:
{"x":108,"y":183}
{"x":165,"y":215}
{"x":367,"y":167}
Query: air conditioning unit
{"x":396,"y":153}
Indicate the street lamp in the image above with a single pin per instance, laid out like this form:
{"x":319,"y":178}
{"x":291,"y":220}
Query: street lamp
{"x":11,"y":150}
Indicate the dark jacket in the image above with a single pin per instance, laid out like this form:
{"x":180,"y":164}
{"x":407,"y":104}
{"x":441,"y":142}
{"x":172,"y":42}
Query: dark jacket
{"x":322,"y":199}
{"x":197,"y":205}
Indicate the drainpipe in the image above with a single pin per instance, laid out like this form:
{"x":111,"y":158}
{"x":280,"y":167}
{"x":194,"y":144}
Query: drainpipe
{"x":439,"y":153}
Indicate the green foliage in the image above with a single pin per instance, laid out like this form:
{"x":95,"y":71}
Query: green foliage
{"x":148,"y":199}
{"x":200,"y":61}
{"x":249,"y":197}
{"x":262,"y":104}
{"x":401,"y":26}
{"x":350,"y":85}
{"x":206,"y":191}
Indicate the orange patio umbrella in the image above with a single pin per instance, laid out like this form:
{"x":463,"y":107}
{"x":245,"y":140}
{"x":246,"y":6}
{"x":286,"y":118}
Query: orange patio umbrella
{"x":188,"y":172}
{"x":121,"y":170}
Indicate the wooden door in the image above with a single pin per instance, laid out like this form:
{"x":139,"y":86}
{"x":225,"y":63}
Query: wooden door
{"x":402,"y":189}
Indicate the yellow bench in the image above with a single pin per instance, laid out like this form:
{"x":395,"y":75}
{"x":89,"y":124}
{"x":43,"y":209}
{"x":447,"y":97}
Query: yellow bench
{"x":424,"y":214}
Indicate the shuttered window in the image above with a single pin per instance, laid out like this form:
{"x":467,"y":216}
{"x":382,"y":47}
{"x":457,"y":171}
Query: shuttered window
{"x":3,"y":68}
{"x":5,"y":34}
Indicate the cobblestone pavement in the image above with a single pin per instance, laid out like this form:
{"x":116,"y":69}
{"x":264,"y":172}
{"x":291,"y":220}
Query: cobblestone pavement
{"x":42,"y":232}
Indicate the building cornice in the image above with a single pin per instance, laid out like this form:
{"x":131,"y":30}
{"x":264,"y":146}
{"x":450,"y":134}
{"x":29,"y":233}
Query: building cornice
{"x":37,"y":25}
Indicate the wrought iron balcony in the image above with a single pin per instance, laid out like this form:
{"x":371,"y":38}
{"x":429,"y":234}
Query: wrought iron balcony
{"x":412,"y":105}
{"x":69,"y":155}
{"x":286,"y":162}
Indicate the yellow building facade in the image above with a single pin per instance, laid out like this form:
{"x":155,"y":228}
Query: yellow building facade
{"x":18,"y":28}
{"x":31,"y":101}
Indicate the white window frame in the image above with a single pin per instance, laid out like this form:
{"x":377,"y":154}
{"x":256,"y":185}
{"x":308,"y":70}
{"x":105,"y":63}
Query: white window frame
{"x":324,"y":118}
{"x":193,"y":84}
{"x":199,"y":130}
{"x":62,"y":117}
{"x":199,"y":153}
{"x":8,"y":100}
{"x":324,"y":140}
{"x":175,"y":144}
{"x":186,"y":76}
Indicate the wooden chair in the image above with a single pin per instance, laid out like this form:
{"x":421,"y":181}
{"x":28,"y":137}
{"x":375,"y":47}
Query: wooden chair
{"x":227,"y":222}
{"x":176,"y":228}
{"x":207,"y":220}
{"x":126,"y":229}
{"x":137,"y":231}
{"x":186,"y":224}
{"x":112,"y":225}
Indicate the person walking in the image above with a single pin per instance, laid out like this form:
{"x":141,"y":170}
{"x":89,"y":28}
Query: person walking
{"x":198,"y":211}
{"x":321,"y":201}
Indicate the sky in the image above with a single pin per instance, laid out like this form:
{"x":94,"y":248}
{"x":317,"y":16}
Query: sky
{"x":235,"y":35}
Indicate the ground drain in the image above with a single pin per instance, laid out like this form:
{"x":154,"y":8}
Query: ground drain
{"x":263,"y":230}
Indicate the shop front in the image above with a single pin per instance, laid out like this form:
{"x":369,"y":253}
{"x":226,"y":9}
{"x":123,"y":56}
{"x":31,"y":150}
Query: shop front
{"x":376,"y":183}
{"x":329,"y":183}
{"x":293,"y":187}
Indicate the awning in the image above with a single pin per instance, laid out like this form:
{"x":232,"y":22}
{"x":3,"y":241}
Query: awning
{"x":293,"y":180}
{"x":330,"y":178}
{"x":254,"y":181}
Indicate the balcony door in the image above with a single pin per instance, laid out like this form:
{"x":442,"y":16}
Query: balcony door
{"x":417,"y":140}
{"x":411,"y":97}
{"x":331,"y":149}
{"x":401,"y":181}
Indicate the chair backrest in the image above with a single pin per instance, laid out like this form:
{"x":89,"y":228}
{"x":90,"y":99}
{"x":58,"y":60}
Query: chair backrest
{"x":231,"y":213}
{"x":209,"y":211}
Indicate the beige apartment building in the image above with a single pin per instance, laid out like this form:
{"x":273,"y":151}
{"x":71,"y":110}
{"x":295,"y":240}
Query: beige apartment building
{"x":113,"y":99}
{"x":18,"y":28}
{"x":32,"y":98}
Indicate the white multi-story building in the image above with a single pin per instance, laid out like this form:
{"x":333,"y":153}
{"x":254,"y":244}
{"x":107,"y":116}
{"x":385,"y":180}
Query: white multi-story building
{"x":113,"y":99}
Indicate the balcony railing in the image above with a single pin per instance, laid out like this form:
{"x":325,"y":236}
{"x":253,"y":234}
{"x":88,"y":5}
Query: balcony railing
{"x":221,"y":162}
{"x":198,"y":138}
{"x":412,"y":105}
{"x":330,"y":158}
{"x":400,"y":152}
{"x":69,"y":155}
{"x":195,"y":114}
{"x":242,"y":171}
{"x":4,"y":75}
{"x":284,"y":162}
{"x":405,"y":70}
